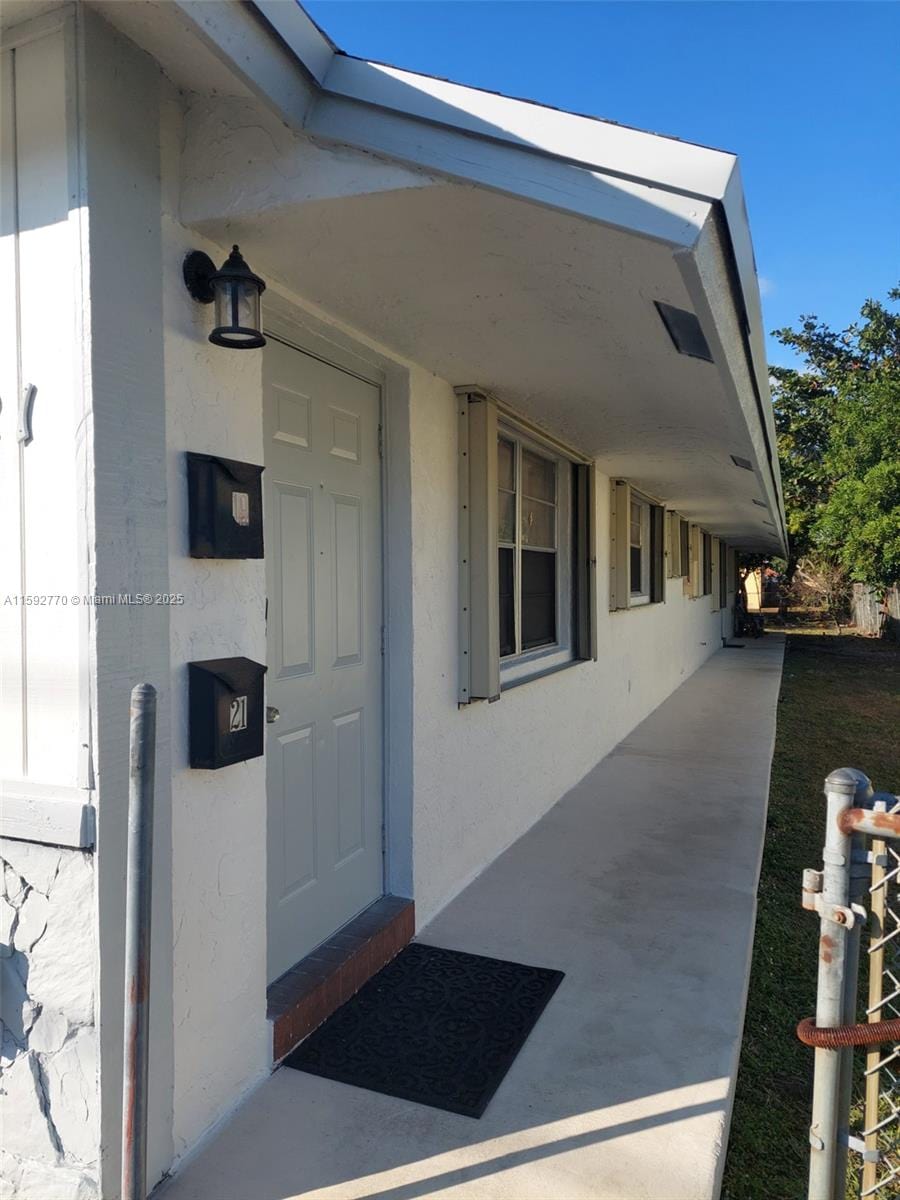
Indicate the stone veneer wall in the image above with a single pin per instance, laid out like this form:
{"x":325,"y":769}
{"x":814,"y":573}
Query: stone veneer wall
{"x":48,"y":1069}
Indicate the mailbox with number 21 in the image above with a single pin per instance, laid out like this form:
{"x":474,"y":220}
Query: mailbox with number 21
{"x":226,"y":711}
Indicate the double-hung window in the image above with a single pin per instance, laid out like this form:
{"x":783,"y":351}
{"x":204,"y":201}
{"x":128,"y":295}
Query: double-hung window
{"x":639,"y":552}
{"x":707,"y":564}
{"x":534,"y":550}
{"x":527,"y":592}
{"x":638,"y":559}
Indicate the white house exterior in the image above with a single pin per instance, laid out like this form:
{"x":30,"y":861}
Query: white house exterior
{"x":501,"y":510}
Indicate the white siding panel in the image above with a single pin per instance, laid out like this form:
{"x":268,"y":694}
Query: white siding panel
{"x":40,"y":551}
{"x":11,"y":627}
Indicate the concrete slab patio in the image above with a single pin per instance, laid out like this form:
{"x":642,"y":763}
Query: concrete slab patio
{"x":640,"y":885}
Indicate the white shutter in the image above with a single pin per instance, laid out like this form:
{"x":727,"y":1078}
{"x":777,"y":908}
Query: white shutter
{"x":479,"y":598}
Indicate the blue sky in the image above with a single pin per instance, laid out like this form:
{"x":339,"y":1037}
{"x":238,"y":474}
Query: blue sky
{"x":807,"y":94}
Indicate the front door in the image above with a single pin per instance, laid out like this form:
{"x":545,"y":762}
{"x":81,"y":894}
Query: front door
{"x":322,"y":506}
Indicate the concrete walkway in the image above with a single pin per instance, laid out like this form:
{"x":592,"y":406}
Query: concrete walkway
{"x":640,"y":885}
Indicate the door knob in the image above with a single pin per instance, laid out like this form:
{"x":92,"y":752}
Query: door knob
{"x":272,"y":714}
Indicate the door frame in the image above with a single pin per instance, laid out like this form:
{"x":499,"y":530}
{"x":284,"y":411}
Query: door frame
{"x":287,"y":322}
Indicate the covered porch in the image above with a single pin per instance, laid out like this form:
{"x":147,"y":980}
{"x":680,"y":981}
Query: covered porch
{"x":640,"y":885}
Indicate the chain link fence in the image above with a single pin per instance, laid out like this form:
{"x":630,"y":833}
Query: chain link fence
{"x":855,"y":1148}
{"x":881,"y":1107}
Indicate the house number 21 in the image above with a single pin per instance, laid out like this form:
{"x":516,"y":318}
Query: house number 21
{"x":238,"y":714}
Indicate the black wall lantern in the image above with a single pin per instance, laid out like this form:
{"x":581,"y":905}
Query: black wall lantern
{"x":236,"y":292}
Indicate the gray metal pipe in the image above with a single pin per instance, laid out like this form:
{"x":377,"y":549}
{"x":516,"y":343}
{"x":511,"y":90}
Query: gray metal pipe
{"x":138,"y":895}
{"x":827,"y":1163}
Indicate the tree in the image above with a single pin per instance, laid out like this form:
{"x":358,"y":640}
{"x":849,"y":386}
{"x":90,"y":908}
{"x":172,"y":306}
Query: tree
{"x":838,"y":425}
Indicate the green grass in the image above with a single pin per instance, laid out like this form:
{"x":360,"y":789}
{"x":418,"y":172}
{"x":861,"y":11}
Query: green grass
{"x":839,"y":707}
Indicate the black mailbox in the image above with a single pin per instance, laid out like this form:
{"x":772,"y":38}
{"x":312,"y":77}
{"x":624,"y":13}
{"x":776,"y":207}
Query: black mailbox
{"x":226,"y":703}
{"x":224,"y":507}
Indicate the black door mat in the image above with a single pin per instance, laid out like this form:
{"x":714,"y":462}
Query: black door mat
{"x":436,"y":1026}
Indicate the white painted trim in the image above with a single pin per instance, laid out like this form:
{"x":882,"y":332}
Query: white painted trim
{"x":36,"y":27}
{"x":53,"y":816}
{"x":599,"y":145}
{"x":512,"y":169}
{"x":298,"y":30}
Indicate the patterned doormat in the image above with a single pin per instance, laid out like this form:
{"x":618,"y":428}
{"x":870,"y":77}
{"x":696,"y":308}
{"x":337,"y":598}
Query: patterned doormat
{"x":435,"y":1026}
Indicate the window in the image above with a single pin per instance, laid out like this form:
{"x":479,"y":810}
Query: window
{"x":637,"y":562}
{"x":724,"y":555}
{"x":639,"y":552}
{"x":707,"y":565}
{"x":534,"y":536}
{"x":526,"y":560}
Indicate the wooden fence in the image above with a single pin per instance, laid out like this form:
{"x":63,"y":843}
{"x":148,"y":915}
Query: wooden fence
{"x":871,"y":616}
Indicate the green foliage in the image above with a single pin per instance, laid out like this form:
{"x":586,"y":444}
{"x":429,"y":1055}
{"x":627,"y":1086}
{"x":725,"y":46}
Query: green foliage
{"x":838,"y":426}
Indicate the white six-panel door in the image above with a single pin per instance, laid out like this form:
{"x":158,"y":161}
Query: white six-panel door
{"x":322,"y":506}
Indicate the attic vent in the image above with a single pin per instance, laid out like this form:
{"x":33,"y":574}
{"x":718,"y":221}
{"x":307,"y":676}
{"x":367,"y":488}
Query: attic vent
{"x":760,"y":504}
{"x":684,"y":330}
{"x":744,"y":463}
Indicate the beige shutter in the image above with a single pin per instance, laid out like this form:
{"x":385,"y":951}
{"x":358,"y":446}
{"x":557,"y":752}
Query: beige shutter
{"x":714,"y":585}
{"x":619,"y":509}
{"x":479,"y":598}
{"x":585,"y":581}
{"x":696,"y":561}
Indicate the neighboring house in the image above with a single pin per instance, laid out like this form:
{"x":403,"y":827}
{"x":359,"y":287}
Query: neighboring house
{"x":753,"y":588}
{"x":515,"y":424}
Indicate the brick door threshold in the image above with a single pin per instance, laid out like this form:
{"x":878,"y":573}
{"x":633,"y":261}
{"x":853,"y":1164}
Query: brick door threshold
{"x":304,"y":996}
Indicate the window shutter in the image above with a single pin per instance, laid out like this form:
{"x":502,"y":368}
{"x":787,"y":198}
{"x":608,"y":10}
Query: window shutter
{"x":619,"y":508}
{"x":696,"y":540}
{"x":657,"y":554}
{"x":714,"y":551}
{"x":479,"y":589}
{"x":585,"y":633}
{"x":673,"y":545}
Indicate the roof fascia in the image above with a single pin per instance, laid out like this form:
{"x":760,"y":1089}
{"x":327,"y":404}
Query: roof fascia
{"x":514,"y":170}
{"x":614,"y":150}
{"x":301,"y":34}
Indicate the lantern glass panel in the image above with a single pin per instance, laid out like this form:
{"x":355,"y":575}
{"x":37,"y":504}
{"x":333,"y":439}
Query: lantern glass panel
{"x":237,"y":309}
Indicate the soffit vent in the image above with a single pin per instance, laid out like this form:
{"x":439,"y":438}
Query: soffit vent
{"x":684,"y":330}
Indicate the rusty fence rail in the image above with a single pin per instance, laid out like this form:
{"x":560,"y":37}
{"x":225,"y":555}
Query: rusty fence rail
{"x":857,"y":897}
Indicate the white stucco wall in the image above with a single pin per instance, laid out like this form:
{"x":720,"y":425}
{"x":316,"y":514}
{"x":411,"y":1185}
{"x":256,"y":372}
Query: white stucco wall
{"x":485,"y":773}
{"x":219,"y":817}
{"x":213,"y":405}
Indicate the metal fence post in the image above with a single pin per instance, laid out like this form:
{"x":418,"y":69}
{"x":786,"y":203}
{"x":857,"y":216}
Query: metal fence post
{"x":827,"y":1166}
{"x":142,"y":764}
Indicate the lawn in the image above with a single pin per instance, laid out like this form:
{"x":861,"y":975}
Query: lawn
{"x":839,"y":706}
